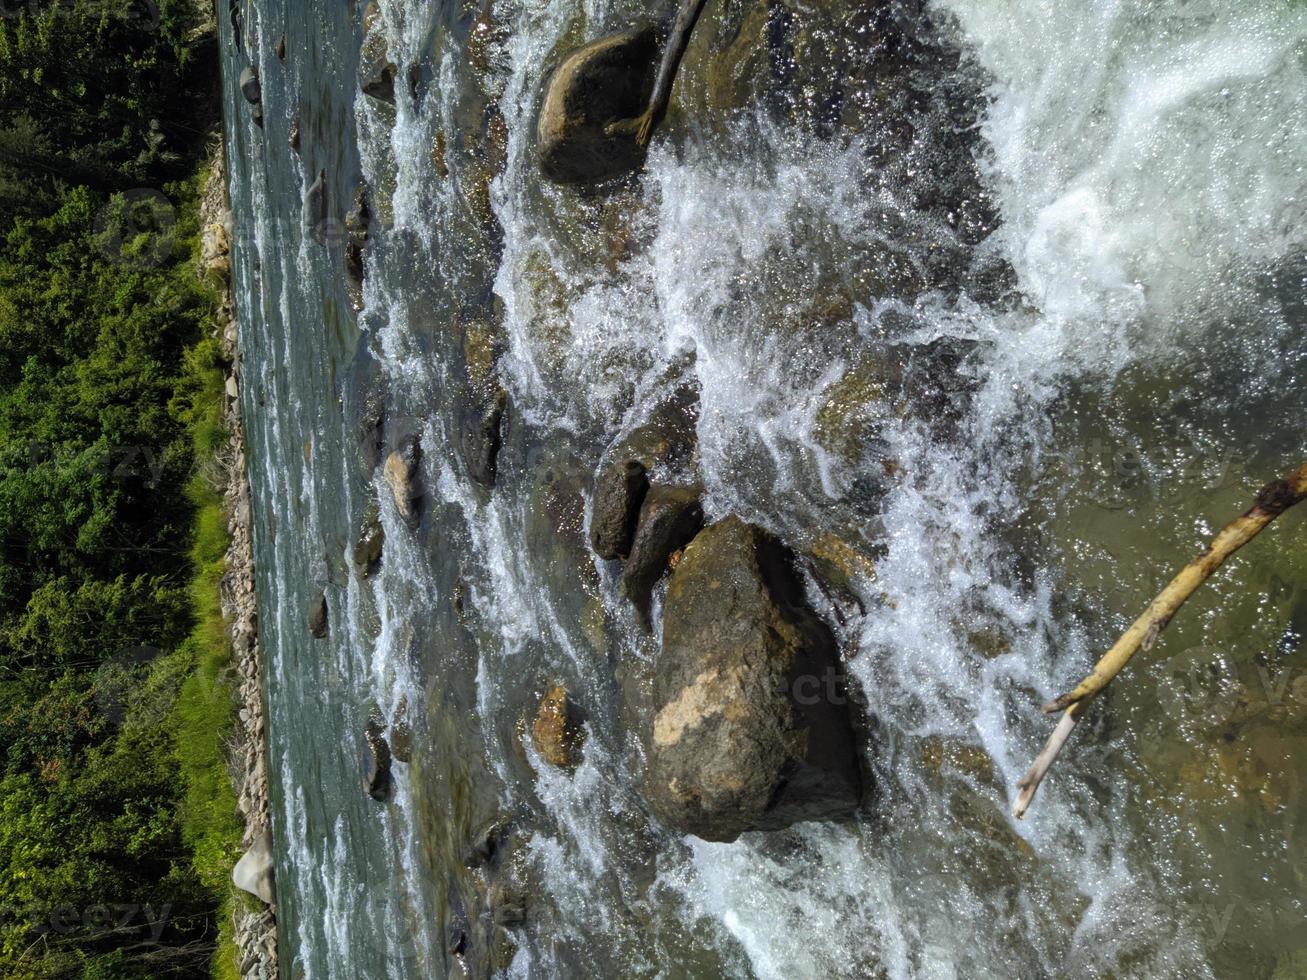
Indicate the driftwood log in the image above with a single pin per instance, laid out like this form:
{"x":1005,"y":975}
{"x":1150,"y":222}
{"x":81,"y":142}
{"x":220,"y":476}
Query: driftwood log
{"x":1275,"y":498}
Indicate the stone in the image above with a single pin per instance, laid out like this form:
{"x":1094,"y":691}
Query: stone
{"x":254,"y":872}
{"x":840,"y":565}
{"x":250,"y":85}
{"x":670,"y":517}
{"x":374,"y":762}
{"x":618,"y":494}
{"x":557,"y":731}
{"x":317,"y":616}
{"x":371,"y":542}
{"x":507,"y":904}
{"x":376,"y":70}
{"x":667,"y":439}
{"x":280,"y":49}
{"x":315,"y":208}
{"x":605,"y":81}
{"x":403,"y":476}
{"x":293,"y":139}
{"x":401,"y":733}
{"x":357,"y":222}
{"x":752,"y":729}
{"x":482,"y":435}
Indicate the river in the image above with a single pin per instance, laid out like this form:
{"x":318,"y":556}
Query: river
{"x":1083,"y":227}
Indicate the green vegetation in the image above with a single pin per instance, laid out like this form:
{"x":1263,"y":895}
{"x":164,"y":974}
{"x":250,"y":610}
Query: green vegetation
{"x":118,"y":824}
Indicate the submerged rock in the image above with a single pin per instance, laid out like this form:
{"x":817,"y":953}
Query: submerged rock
{"x":317,"y":616}
{"x":482,"y":436}
{"x":376,"y":70}
{"x":250,"y":87}
{"x":374,"y":761}
{"x":315,"y":208}
{"x":606,"y":81}
{"x":403,"y":477}
{"x":752,"y":728}
{"x":557,"y":731}
{"x":293,"y":139}
{"x":619,"y":492}
{"x":357,"y":224}
{"x":669,"y":519}
{"x":254,"y":872}
{"x":368,"y":548}
{"x":280,"y":49}
{"x":401,"y":733}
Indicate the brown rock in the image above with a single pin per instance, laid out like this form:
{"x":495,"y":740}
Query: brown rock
{"x":404,"y":479}
{"x":374,"y":761}
{"x":401,"y":733}
{"x":619,"y":492}
{"x":609,"y":79}
{"x":669,"y":519}
{"x":752,"y":729}
{"x":317,"y":616}
{"x":557,"y":731}
{"x":376,"y":70}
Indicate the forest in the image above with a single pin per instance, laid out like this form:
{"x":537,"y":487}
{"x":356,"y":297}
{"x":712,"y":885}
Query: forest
{"x":117,"y":821}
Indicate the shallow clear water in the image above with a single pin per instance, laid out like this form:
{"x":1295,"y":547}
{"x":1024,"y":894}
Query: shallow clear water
{"x":1104,"y":204}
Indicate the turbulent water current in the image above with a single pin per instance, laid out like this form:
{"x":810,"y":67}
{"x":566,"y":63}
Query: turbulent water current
{"x":1083,"y":225}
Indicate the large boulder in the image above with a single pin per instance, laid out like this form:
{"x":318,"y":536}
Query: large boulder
{"x":254,"y":872}
{"x":604,"y":82}
{"x":752,"y":729}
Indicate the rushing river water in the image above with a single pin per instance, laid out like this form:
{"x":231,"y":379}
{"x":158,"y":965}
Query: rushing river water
{"x":1089,"y":221}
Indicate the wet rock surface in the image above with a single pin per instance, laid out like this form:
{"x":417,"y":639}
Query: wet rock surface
{"x":619,"y":492}
{"x":374,"y":762}
{"x":401,"y":733}
{"x":752,"y":729}
{"x":403,"y":477}
{"x":376,"y":70}
{"x":317,"y":616}
{"x":357,"y":224}
{"x":370,"y":543}
{"x":251,"y":89}
{"x":669,"y":519}
{"x":605,"y":81}
{"x":556,"y":730}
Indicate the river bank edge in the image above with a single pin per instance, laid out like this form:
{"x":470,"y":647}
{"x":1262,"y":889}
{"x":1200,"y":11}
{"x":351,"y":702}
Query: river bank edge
{"x":254,"y":928}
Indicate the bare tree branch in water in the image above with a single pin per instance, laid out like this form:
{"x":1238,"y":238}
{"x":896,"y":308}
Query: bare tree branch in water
{"x":1275,"y":498}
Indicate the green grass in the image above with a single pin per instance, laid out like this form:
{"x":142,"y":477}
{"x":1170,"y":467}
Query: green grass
{"x":203,"y":717}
